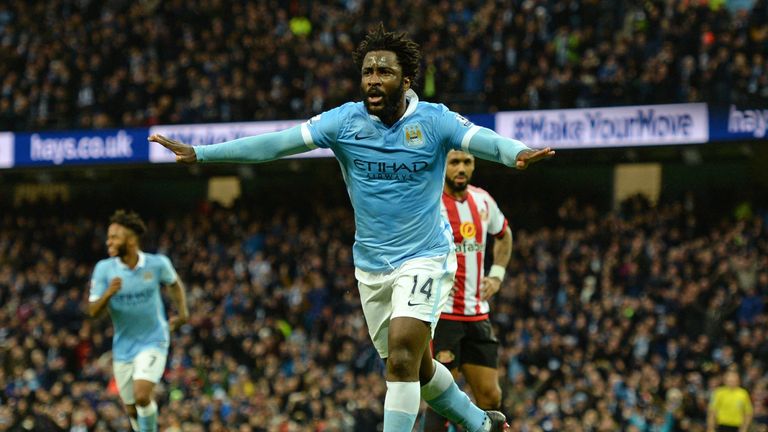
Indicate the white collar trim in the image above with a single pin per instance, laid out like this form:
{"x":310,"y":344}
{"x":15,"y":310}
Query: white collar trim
{"x":139,"y":264}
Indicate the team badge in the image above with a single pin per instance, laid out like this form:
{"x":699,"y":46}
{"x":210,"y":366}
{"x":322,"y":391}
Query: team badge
{"x":414,"y":137}
{"x":147,"y":276}
{"x":467,"y":230}
{"x":445,"y":356}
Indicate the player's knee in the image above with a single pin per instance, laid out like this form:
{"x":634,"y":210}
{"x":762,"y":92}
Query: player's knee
{"x":143,"y":399}
{"x":403,"y":364}
{"x":489,"y":397}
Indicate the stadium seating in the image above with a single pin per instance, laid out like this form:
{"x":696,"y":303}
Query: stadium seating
{"x":68,"y":64}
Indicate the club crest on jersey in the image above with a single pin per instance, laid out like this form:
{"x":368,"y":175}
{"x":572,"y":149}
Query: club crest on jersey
{"x":147,"y":276}
{"x":414,"y":137}
{"x":467,"y":230}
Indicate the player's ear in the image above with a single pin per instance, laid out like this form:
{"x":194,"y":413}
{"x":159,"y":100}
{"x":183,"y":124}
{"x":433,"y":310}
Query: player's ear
{"x":406,"y":83}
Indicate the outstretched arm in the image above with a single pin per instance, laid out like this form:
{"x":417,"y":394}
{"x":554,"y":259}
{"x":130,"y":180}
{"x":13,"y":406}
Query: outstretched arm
{"x":179,"y":297}
{"x":487,"y":144}
{"x":254,"y":149}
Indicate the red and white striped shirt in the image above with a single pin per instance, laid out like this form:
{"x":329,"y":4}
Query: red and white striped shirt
{"x":470,"y":219}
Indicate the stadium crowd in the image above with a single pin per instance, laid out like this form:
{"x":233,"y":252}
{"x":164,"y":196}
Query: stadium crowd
{"x":90,"y":64}
{"x":609,"y":321}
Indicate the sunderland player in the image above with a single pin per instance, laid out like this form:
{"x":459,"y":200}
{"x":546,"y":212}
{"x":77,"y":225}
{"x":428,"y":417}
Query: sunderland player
{"x":127,"y":284}
{"x":464,"y":340}
{"x":392,"y":150}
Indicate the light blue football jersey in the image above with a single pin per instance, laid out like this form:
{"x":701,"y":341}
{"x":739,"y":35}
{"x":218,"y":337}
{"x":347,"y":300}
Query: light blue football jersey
{"x":137,"y":310}
{"x":394,"y":177}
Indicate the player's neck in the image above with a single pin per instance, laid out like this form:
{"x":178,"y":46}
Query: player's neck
{"x":398,"y":115}
{"x":131,"y":259}
{"x":459,"y":195}
{"x":401,"y":110}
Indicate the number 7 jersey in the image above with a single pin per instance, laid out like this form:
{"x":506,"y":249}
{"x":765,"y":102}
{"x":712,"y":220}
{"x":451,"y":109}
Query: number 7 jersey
{"x":471,"y":220}
{"x":137,"y":310}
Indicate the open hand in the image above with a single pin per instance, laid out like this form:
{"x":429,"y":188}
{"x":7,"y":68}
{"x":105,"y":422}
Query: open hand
{"x":184,"y":153}
{"x":488,"y":287}
{"x":527,"y":157}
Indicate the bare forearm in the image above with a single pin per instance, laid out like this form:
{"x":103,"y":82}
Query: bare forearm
{"x":747,"y":422}
{"x":97,"y":307}
{"x":179,"y":298}
{"x":502,"y":249}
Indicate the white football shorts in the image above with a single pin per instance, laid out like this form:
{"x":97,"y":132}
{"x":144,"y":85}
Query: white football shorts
{"x":148,"y":365}
{"x":419,"y":289}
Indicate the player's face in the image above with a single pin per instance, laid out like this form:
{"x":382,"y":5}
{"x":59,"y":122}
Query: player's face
{"x":459,"y":169}
{"x":383,"y":85}
{"x":118,"y":237}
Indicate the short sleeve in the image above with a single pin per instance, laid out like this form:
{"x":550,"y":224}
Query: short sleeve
{"x":322,"y":129}
{"x":455,"y":130}
{"x":98,"y":282}
{"x":167,"y":272}
{"x":496,"y":220}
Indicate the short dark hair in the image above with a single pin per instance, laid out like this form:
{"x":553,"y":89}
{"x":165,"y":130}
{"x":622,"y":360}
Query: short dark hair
{"x":407,"y":51}
{"x":130,"y":220}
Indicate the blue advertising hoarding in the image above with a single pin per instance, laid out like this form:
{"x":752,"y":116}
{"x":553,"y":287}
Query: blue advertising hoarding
{"x":81,"y":147}
{"x":738,"y":123}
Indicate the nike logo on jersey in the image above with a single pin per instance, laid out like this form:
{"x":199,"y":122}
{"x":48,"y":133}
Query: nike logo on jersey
{"x":415,"y":304}
{"x":364,"y":134}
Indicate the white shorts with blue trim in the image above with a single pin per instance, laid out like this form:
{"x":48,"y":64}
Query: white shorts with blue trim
{"x":419,"y":289}
{"x":148,"y":365}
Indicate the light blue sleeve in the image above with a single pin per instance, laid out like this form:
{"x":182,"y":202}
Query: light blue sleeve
{"x":255,"y":149}
{"x":487,"y":144}
{"x":323,"y":129}
{"x":99,"y":282}
{"x":452,"y":128}
{"x":167,"y":272}
{"x":461,"y":134}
